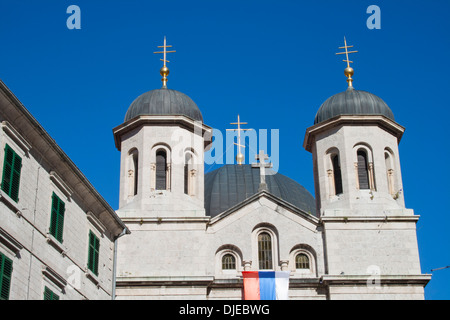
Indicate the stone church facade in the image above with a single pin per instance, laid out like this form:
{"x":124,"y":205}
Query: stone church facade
{"x":192,"y":234}
{"x":187,"y":234}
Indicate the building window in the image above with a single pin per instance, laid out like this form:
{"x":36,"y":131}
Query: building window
{"x":265,"y":251}
{"x":363,"y":170}
{"x":333,"y":169}
{"x":161,"y":170}
{"x":5,"y":276}
{"x":228,"y":262}
{"x":388,"y":158}
{"x":301,"y":261}
{"x":187,"y":161}
{"x":189,"y":174}
{"x":264,"y":247}
{"x":364,"y":167}
{"x":133,"y":158}
{"x":57,"y":218}
{"x":50,"y":295}
{"x":12,"y":166}
{"x":337,"y":174}
{"x":94,"y":247}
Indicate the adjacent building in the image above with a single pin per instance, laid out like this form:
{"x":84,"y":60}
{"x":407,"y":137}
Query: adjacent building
{"x":57,"y":234}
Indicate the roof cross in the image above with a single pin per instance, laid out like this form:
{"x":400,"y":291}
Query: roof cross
{"x":262,"y":165}
{"x":164,"y":52}
{"x":164,"y":70}
{"x":349,"y":70}
{"x":239,"y":156}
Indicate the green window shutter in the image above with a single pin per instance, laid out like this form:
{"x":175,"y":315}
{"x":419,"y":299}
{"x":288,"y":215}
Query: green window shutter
{"x":12,"y":166}
{"x":7,"y":169}
{"x":57,"y":217}
{"x":94,"y":246}
{"x":5,"y":276}
{"x":50,"y":295}
{"x":61,"y":210}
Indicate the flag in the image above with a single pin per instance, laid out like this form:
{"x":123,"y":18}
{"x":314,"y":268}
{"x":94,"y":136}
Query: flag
{"x":266,"y":285}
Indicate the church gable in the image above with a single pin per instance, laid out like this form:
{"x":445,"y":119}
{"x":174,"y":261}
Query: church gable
{"x":285,"y":229}
{"x":265,"y":202}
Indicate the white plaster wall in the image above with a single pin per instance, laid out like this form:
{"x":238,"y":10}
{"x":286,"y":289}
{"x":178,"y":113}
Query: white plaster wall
{"x":176,"y":250}
{"x":354,"y":201}
{"x":30,"y":230}
{"x":384,"y":292}
{"x":353,"y":247}
{"x":158,"y":203}
{"x":154,"y":250}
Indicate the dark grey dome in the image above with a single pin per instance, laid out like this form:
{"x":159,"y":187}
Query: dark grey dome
{"x":352,"y":102}
{"x":231,"y":184}
{"x":164,"y":102}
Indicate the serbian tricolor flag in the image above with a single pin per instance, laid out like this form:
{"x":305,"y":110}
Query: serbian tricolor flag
{"x":266,"y":285}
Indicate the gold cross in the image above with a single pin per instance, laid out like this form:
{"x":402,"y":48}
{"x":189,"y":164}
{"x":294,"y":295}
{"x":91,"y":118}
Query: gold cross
{"x":346,"y":52}
{"x":164,"y":70}
{"x":348,"y":71}
{"x":240,"y":156}
{"x":164,"y":52}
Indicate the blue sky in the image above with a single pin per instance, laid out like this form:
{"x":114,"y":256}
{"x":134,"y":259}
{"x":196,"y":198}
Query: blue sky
{"x":273,"y":62}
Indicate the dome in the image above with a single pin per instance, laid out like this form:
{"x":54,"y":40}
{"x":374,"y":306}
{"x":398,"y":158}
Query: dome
{"x":352,"y":102}
{"x":231,"y":184}
{"x":164,"y":102}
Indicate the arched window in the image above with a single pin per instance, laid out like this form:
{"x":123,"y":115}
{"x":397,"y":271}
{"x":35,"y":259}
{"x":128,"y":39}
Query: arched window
{"x":265,"y":251}
{"x":161,"y":170}
{"x":337,"y":174}
{"x":388,"y":159}
{"x":228,"y":262}
{"x":135,"y":163}
{"x":133,"y":157}
{"x":302,"y":261}
{"x":363,"y":170}
{"x":332,"y":166}
{"x":187,"y":160}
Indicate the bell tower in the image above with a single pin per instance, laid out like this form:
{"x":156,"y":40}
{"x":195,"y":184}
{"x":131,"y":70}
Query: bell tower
{"x":354,"y":142}
{"x":368,"y":232}
{"x":162,"y":143}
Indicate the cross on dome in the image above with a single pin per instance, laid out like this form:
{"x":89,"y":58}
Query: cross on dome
{"x":164,"y":70}
{"x":240,"y":156}
{"x":349,"y":70}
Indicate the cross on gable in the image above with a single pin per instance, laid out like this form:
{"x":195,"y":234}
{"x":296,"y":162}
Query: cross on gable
{"x":262,"y":165}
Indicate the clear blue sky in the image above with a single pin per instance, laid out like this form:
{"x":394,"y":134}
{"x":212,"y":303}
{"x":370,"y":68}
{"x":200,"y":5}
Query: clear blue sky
{"x":273,"y":62}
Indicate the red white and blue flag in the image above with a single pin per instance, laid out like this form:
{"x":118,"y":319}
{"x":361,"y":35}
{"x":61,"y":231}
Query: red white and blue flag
{"x":266,"y":285}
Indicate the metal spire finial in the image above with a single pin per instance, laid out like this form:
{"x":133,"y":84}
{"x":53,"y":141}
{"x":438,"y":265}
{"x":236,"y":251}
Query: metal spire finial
{"x":164,"y":70}
{"x":349,"y":70}
{"x":240,"y":157}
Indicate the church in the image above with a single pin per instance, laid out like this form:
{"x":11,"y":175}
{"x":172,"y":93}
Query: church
{"x":192,"y":235}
